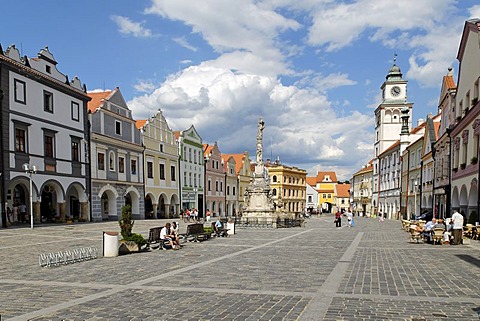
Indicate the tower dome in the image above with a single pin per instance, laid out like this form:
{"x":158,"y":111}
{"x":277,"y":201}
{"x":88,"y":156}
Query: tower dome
{"x":394,"y":73}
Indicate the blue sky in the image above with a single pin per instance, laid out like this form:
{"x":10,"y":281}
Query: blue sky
{"x":311,"y":68}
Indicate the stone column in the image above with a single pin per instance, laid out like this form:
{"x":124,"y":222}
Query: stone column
{"x":155,"y":207}
{"x":61,"y":207}
{"x":83,"y":211}
{"x":167,"y":211}
{"x":37,"y":218}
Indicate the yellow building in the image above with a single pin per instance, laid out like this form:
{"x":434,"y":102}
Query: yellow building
{"x":288,"y":186}
{"x":161,"y":168}
{"x":325,"y":186}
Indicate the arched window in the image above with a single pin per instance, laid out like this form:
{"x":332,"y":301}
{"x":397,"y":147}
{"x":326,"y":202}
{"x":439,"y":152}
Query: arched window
{"x":274,"y":178}
{"x":111,"y":160}
{"x":274,"y":192}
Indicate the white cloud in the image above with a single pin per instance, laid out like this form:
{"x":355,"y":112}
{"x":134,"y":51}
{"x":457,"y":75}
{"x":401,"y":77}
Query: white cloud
{"x":128,"y":27}
{"x":145,"y":86}
{"x":475,"y":11}
{"x":182,"y":41}
{"x":224,"y":106}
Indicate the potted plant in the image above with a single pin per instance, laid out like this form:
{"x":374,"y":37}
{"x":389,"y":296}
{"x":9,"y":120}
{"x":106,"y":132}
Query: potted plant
{"x":130,"y":242}
{"x":474,"y":160}
{"x":463,"y":165}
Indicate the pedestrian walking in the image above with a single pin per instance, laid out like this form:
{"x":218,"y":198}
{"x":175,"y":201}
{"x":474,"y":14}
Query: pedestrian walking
{"x":380,"y":218}
{"x":23,"y":213}
{"x":457,"y":227}
{"x":338,"y":219}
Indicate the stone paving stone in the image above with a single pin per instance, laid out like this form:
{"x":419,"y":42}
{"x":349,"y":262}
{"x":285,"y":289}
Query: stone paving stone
{"x":258,"y":274}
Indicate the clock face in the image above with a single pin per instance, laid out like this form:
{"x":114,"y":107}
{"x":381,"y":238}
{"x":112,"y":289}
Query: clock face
{"x":395,"y":91}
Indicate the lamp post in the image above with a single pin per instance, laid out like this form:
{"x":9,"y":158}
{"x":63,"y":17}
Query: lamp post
{"x":30,"y":170}
{"x":415,"y":183}
{"x":195,"y":190}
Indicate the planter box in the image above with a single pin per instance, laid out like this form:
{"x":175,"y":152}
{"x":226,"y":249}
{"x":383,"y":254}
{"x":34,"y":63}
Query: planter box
{"x":127,"y":247}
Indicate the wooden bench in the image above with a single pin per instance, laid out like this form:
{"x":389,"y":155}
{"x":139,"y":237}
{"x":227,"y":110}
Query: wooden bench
{"x":154,"y":240}
{"x":195,"y":233}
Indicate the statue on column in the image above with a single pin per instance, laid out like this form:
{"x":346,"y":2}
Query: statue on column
{"x":261,"y":126}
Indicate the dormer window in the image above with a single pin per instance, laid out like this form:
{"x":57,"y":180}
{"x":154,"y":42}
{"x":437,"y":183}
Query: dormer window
{"x":48,"y":69}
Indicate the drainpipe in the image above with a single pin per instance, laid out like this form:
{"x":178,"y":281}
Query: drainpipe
{"x":448,"y":188}
{"x":421,"y":184}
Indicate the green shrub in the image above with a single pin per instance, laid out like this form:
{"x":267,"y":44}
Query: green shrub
{"x":137,"y":238}
{"x":208,"y":230}
{"x":126,"y":223}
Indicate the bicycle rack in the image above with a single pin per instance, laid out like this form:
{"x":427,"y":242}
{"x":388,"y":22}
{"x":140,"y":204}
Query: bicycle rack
{"x":54,"y":259}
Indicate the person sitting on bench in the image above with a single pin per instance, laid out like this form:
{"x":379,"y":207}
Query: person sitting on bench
{"x":167,"y":235}
{"x":218,"y":228}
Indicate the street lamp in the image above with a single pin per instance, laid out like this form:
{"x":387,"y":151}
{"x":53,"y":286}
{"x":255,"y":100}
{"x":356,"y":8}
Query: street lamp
{"x":415,"y":183}
{"x":30,"y":170}
{"x":195,"y":190}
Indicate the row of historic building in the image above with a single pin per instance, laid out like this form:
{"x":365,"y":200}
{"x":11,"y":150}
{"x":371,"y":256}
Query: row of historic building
{"x":85,"y":155}
{"x":433,"y":167}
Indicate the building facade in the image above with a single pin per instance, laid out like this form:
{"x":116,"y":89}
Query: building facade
{"x":361,"y":191}
{"x":287,"y":187}
{"x":116,"y":157}
{"x":43,"y":126}
{"x":192,"y":170}
{"x":243,"y":170}
{"x":162,"y":199}
{"x":215,"y":180}
{"x":231,"y":183}
{"x":442,"y":147}
{"x":466,"y":131}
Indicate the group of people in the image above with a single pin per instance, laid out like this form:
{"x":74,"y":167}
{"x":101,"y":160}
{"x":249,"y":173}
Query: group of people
{"x":338,"y":218}
{"x":17,"y":214}
{"x":169,"y":233}
{"x":190,"y":215}
{"x":452,"y":229}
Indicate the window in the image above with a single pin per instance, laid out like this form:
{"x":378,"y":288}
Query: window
{"x":216,"y":186}
{"x":221,"y":186}
{"x":118,"y":127}
{"x":172,"y":173}
{"x":20,"y":91}
{"x":274,"y":178}
{"x":48,"y":146}
{"x":47,"y":101}
{"x":161,"y":148}
{"x":75,"y":111}
{"x":274,"y":192}
{"x":233,"y":190}
{"x":324,"y":195}
{"x":209,"y":185}
{"x":228,"y":190}
{"x":101,"y":161}
{"x":310,"y":198}
{"x":150,"y":169}
{"x":133,"y":166}
{"x":121,"y":164}
{"x":162,"y":171}
{"x":20,"y":140}
{"x":75,"y":151}
{"x":111,"y":161}
{"x":48,"y":69}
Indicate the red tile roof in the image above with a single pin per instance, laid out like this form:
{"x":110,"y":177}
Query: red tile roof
{"x":239,"y":158}
{"x":312,"y":180}
{"x":321,"y":176}
{"x":139,"y":123}
{"x":343,"y":190}
{"x":97,"y":100}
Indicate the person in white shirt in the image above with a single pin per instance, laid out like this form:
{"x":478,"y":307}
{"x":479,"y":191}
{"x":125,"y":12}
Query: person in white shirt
{"x":457,"y":227}
{"x":349,"y":218}
{"x":165,"y":234}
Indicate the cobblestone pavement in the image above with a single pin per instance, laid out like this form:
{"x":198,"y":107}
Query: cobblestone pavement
{"x":369,"y":272}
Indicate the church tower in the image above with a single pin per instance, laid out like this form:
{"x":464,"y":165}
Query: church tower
{"x":388,"y":121}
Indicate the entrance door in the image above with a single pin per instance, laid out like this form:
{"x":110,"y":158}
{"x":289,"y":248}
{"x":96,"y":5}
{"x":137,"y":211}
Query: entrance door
{"x":74,"y":207}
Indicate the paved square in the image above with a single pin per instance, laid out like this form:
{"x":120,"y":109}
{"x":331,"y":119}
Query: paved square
{"x":369,"y":272}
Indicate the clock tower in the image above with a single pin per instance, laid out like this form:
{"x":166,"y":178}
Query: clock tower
{"x":388,"y":122}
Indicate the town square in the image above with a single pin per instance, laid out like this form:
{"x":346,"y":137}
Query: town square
{"x":262,"y":160}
